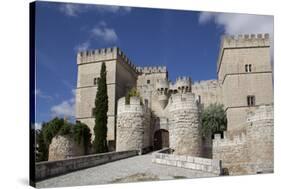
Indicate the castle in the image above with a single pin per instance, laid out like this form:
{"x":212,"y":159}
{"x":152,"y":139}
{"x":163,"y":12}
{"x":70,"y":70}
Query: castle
{"x":167,"y":114}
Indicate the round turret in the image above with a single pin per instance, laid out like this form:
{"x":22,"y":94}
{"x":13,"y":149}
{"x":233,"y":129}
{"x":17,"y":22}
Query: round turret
{"x":63,"y":147}
{"x":260,"y":139}
{"x":162,"y":87}
{"x":184,"y":125}
{"x":133,"y":129}
{"x":183,"y":84}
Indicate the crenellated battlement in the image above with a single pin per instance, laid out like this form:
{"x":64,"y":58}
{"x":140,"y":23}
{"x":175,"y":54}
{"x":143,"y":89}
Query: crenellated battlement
{"x":104,"y":54}
{"x":134,"y":106}
{"x":182,"y":84}
{"x":154,"y":69}
{"x":246,"y":40}
{"x":229,"y":140}
{"x":97,"y":55}
{"x":242,"y":41}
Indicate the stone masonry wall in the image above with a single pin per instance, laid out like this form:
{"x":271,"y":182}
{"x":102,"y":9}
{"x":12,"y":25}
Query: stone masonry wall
{"x":233,"y":152}
{"x":209,"y":92}
{"x":251,"y":151}
{"x":260,"y":134}
{"x":133,"y":123}
{"x":184,"y":125}
{"x":47,"y":169}
{"x":64,"y":147}
{"x":204,"y":165}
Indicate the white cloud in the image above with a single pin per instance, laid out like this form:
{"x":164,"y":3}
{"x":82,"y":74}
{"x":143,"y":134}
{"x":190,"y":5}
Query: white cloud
{"x":112,"y":9}
{"x":239,"y":23}
{"x":38,"y":126}
{"x":40,"y":94}
{"x":234,"y":24}
{"x":73,"y":10}
{"x":83,"y":46}
{"x":102,"y":32}
{"x":99,"y":33}
{"x":66,"y":108}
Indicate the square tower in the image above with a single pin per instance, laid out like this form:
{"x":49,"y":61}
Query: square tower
{"x":245,"y":74}
{"x":121,"y":76}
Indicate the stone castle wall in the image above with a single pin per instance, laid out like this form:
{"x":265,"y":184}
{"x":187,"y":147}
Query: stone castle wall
{"x":260,"y":134}
{"x":64,"y":147}
{"x":184,"y":125}
{"x":233,"y":152}
{"x":251,"y":151}
{"x":133,"y":125}
{"x":207,"y":92}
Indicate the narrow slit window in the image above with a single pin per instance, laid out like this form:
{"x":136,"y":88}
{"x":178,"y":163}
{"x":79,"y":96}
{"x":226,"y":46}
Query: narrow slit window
{"x":251,"y":101}
{"x":246,"y":68}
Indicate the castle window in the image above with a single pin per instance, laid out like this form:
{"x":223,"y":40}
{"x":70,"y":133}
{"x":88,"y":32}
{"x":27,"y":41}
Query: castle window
{"x":248,"y":68}
{"x":93,"y":112}
{"x":148,"y":81}
{"x":251,"y":101}
{"x":96,"y":81}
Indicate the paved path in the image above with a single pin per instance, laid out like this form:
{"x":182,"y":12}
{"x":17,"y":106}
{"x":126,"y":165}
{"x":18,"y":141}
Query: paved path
{"x":137,"y":168}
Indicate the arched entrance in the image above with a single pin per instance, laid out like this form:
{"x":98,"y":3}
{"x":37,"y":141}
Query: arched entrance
{"x":161,"y":139}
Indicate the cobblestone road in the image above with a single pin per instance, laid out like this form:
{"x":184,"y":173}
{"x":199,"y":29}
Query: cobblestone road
{"x":138,"y":168}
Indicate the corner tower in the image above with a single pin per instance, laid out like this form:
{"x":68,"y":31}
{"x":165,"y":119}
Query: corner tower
{"x":121,"y":76}
{"x":245,"y":74}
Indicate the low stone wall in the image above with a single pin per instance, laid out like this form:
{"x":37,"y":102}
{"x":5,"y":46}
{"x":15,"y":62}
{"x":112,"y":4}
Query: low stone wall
{"x":188,"y":162}
{"x":49,"y":169}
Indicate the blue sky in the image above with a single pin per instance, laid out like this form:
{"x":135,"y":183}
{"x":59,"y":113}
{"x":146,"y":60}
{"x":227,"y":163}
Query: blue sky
{"x":187,"y":42}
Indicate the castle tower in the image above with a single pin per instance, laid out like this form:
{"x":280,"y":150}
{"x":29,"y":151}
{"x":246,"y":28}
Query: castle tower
{"x":182,"y":85}
{"x":184,"y":125}
{"x":162,"y":87}
{"x":133,"y":131}
{"x":121,"y":76}
{"x":146,"y":82}
{"x":245,"y":75}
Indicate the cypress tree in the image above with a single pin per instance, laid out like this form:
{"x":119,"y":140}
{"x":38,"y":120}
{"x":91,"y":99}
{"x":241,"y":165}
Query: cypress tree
{"x":101,"y":108}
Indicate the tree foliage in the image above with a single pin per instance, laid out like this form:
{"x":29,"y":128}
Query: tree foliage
{"x":41,"y":147}
{"x":132,"y":92}
{"x":101,"y":108}
{"x":213,"y":120}
{"x":79,"y":132}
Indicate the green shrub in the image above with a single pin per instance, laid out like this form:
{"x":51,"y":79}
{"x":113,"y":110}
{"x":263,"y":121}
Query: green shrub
{"x":132,"y":92}
{"x":79,"y":132}
{"x":213,"y":120}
